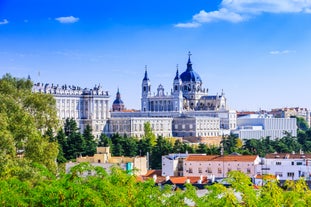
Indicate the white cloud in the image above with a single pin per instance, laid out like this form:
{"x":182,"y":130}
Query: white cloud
{"x":269,"y":6}
{"x":281,"y":52}
{"x":5,"y":21}
{"x":67,"y":20}
{"x":222,"y":14}
{"x":240,"y":10}
{"x":188,"y":25}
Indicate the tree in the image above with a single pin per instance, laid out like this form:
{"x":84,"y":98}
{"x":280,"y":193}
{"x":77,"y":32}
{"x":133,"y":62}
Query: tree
{"x":104,"y":141}
{"x":25,"y":118}
{"x":149,"y":134}
{"x":90,"y":143}
{"x":302,"y":124}
{"x":202,"y":148}
{"x":230,"y":143}
{"x":162,"y":147}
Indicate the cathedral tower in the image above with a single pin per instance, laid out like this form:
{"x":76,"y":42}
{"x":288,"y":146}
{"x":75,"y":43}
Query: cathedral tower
{"x":145,"y":92}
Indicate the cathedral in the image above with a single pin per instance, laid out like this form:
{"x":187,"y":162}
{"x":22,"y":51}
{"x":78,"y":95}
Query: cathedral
{"x":187,"y":111}
{"x":186,"y":94}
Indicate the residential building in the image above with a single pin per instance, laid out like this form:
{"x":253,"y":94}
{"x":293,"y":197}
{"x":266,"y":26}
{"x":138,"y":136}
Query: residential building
{"x":286,"y":166}
{"x":219,"y":166}
{"x":172,"y":164}
{"x":291,"y":112}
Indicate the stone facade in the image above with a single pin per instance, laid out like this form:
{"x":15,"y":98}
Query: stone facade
{"x":85,"y":106}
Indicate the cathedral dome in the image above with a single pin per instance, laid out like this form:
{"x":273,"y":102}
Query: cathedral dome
{"x":118,"y":104}
{"x":190,"y":75}
{"x":118,"y":101}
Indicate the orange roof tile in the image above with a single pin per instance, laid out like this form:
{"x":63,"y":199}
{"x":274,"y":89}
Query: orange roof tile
{"x":226,"y":158}
{"x":237,"y":158}
{"x":201,"y":157}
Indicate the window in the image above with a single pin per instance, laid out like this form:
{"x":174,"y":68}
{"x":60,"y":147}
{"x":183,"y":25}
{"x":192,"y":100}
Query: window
{"x":200,"y":170}
{"x":248,"y":170}
{"x":299,"y":163}
{"x":278,"y":163}
{"x":229,"y":169}
{"x":190,"y":170}
{"x":209,"y":170}
{"x":280,"y":174}
{"x":219,"y":170}
{"x":293,"y":163}
{"x":290,"y":174}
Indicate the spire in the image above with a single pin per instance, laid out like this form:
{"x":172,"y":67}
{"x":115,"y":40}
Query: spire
{"x":177,"y":73}
{"x":189,"y":64}
{"x":146,"y":74}
{"x":118,"y":96}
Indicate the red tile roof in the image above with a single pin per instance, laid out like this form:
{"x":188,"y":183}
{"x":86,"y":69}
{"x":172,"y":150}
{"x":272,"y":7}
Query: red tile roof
{"x":201,"y":157}
{"x":226,"y":158}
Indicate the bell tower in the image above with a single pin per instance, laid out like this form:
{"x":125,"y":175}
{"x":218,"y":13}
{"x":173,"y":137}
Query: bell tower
{"x":145,"y":91}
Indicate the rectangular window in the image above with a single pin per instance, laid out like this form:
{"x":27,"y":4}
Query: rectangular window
{"x":190,"y":170}
{"x":278,"y":163}
{"x":299,"y":163}
{"x":280,"y":174}
{"x":200,"y":170}
{"x":248,"y":170}
{"x":219,"y":170}
{"x":290,"y":174}
{"x":209,"y":170}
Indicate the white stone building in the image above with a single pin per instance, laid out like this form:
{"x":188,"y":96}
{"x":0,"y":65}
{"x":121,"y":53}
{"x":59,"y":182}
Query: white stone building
{"x":134,"y":126}
{"x":85,"y":106}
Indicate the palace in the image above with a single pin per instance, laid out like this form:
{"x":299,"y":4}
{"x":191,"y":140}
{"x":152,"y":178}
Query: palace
{"x":188,"y":111}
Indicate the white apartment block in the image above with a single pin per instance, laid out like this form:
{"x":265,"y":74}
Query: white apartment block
{"x":256,"y":126}
{"x":85,"y":106}
{"x":286,"y":166}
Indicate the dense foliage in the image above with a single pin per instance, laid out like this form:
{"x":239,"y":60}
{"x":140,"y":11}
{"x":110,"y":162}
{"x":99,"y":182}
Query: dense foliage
{"x":26,"y":120}
{"x":122,"y":189}
{"x":72,"y":143}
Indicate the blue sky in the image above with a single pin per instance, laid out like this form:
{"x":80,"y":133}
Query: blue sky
{"x":257,"y":51}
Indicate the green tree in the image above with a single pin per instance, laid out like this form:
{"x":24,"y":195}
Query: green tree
{"x":302,"y":124}
{"x":202,"y":148}
{"x":90,"y":142}
{"x":104,"y":141}
{"x":25,"y":119}
{"x":162,"y":147}
{"x":148,"y":134}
